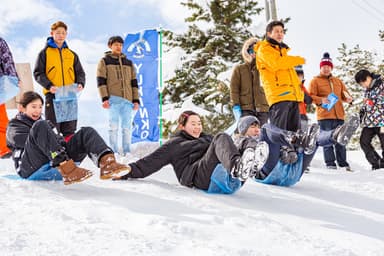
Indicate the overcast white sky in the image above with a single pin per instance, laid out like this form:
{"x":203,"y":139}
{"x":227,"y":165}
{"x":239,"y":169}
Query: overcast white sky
{"x":315,"y":26}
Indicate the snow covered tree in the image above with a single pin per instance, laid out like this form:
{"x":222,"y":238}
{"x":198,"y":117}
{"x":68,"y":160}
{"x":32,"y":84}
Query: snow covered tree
{"x":351,"y":61}
{"x":212,"y":44}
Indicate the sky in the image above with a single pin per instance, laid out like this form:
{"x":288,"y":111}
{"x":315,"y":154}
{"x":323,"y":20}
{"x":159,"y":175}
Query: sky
{"x":315,"y":27}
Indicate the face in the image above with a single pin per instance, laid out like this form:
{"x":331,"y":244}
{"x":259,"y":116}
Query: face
{"x":193,"y":126}
{"x":59,"y":35}
{"x":253,"y":130}
{"x":367,"y":82}
{"x":33,"y":109}
{"x":116,"y":48}
{"x":277,"y":33}
{"x":325,"y":70}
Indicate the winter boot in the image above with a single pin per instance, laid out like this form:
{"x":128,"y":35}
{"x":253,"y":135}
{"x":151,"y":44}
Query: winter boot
{"x":244,"y":165}
{"x":261,"y":156}
{"x":343,"y":133}
{"x":109,"y":167}
{"x":306,"y":141}
{"x":72,"y":173}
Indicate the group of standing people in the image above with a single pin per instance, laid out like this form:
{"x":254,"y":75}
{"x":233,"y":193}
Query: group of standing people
{"x":271,"y":83}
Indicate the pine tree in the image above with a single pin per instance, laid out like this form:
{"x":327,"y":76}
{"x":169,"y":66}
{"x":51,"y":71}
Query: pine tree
{"x":351,"y":61}
{"x":212,"y":44}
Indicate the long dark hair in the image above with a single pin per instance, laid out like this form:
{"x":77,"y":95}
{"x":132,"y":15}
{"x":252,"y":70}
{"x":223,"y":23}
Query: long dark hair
{"x":28,"y":97}
{"x":183,"y":118}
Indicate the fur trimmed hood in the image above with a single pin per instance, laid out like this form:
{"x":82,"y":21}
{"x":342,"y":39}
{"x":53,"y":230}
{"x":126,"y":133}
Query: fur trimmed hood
{"x":247,"y":58}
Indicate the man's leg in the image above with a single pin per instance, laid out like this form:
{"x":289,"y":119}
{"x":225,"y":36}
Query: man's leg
{"x":221,"y":150}
{"x":114,"y":113}
{"x":371,"y":155}
{"x":328,"y":151}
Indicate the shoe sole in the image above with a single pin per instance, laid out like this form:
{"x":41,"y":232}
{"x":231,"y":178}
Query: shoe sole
{"x":79,"y":180}
{"x":351,"y":125}
{"x":247,"y":162}
{"x":261,"y":154}
{"x":119,"y":172}
{"x":313,"y":134}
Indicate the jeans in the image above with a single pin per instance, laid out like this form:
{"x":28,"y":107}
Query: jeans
{"x":120,"y":110}
{"x":329,"y":152}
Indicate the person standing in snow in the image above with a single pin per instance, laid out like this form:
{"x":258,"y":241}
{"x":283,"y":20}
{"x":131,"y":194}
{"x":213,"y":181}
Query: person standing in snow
{"x":247,"y":95}
{"x":321,"y":88}
{"x":195,"y":157}
{"x":58,"y":66}
{"x":279,"y":79}
{"x":119,"y":92}
{"x":372,"y":116}
{"x":7,"y":68}
{"x":36,"y":147}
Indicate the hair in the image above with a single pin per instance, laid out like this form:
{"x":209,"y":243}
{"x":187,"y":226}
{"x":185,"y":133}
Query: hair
{"x":362,"y":75}
{"x":114,"y":39}
{"x":273,"y":24}
{"x":183,"y":118}
{"x":28,"y":97}
{"x":58,"y":24}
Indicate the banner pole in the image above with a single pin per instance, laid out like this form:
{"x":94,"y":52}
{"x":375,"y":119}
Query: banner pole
{"x":161,"y":85}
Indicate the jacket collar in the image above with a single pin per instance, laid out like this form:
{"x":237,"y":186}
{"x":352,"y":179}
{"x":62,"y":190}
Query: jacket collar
{"x":275,"y":43}
{"x":376,"y":81}
{"x":51,"y":43}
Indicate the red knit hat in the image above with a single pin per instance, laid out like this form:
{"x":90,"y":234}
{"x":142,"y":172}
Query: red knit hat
{"x":326,"y":60}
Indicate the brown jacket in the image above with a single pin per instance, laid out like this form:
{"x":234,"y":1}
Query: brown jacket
{"x":246,"y":90}
{"x":321,"y":87}
{"x":116,"y":76}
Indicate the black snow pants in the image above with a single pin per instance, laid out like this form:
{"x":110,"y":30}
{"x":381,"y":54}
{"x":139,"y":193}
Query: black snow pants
{"x":44,"y":145}
{"x":221,"y":150}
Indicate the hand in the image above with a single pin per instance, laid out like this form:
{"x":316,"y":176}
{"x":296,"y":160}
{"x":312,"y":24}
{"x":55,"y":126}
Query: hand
{"x":324,"y":100}
{"x":136,"y":106}
{"x":80,"y":87}
{"x":348,"y":99}
{"x":288,"y":156}
{"x":105,"y":104}
{"x":53,"y":89}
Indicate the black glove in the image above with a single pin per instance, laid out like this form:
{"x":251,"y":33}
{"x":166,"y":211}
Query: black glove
{"x":288,"y":155}
{"x":361,"y":115}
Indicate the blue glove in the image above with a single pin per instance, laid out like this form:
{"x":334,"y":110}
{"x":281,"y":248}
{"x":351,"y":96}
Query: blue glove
{"x":236,"y":112}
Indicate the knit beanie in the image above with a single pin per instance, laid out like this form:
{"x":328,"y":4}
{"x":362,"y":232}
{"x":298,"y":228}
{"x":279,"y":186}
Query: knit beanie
{"x":245,"y":122}
{"x":326,"y":60}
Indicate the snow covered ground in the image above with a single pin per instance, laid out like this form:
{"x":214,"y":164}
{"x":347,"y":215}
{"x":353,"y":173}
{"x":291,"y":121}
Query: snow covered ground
{"x":327,"y":213}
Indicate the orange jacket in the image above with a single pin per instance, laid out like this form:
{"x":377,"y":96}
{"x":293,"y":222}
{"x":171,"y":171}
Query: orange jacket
{"x":320,"y":87}
{"x":277,"y":72}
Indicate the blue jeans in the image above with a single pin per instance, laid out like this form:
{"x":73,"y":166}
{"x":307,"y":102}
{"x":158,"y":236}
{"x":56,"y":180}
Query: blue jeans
{"x":329,"y":151}
{"x":120,"y":110}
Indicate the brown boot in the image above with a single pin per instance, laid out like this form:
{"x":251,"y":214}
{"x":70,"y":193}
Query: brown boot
{"x":72,"y":173}
{"x":109,"y":167}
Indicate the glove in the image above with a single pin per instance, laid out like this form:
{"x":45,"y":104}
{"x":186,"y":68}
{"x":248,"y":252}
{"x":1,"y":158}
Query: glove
{"x":236,"y":112}
{"x":288,"y":155}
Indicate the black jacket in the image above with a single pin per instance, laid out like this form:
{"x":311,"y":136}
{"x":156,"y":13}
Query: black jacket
{"x":17,"y":134}
{"x":182,"y":151}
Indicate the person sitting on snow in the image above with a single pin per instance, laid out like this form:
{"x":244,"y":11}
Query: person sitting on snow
{"x":36,"y":147}
{"x":200,"y":160}
{"x":289,"y":152}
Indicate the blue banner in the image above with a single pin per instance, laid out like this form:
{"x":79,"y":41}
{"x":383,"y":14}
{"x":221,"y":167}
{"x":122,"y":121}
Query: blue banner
{"x":142,"y":48}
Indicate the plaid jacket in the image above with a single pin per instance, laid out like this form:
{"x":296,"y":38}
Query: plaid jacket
{"x":7,"y":66}
{"x":372,"y":112}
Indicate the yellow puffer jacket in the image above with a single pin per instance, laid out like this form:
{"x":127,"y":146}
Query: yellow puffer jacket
{"x":58,"y":67}
{"x":277,"y":72}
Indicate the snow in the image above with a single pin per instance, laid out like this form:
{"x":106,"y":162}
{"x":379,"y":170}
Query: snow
{"x":328,"y":213}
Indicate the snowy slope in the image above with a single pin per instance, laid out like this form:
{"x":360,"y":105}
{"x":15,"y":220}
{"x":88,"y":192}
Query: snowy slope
{"x":327,"y":213}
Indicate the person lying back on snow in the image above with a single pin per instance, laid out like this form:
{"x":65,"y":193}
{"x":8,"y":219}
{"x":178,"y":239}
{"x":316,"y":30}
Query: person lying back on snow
{"x":197,"y":157}
{"x":289,"y":152}
{"x":36,"y":147}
